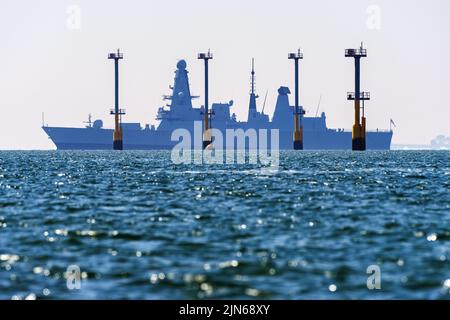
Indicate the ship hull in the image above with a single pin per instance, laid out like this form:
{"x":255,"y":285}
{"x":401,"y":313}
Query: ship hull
{"x":101,"y":139}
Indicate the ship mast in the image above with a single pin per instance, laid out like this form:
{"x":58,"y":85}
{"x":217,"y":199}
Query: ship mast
{"x":253,"y":76}
{"x":253,"y":95}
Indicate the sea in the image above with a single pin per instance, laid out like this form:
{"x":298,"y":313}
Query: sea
{"x":136,"y":225}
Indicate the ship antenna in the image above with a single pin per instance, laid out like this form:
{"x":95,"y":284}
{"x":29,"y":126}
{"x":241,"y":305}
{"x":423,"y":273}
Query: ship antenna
{"x":89,"y":122}
{"x":318,"y":105}
{"x":265,"y":98}
{"x":253,"y":76}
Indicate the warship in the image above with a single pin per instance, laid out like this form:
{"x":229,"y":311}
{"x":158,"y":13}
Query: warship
{"x":180,"y":113}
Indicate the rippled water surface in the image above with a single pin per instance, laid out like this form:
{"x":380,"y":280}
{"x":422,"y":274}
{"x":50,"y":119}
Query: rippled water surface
{"x":141,"y":227}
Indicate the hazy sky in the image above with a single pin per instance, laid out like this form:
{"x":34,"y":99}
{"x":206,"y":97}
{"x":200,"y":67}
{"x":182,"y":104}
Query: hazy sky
{"x":50,"y":64}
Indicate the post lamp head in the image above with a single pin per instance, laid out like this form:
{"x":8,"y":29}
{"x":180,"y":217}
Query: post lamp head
{"x":116,"y":55}
{"x":356,"y":53}
{"x":296,"y":55}
{"x":205,"y":56}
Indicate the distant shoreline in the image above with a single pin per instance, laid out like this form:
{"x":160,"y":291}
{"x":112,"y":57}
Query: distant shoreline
{"x":415,"y":147}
